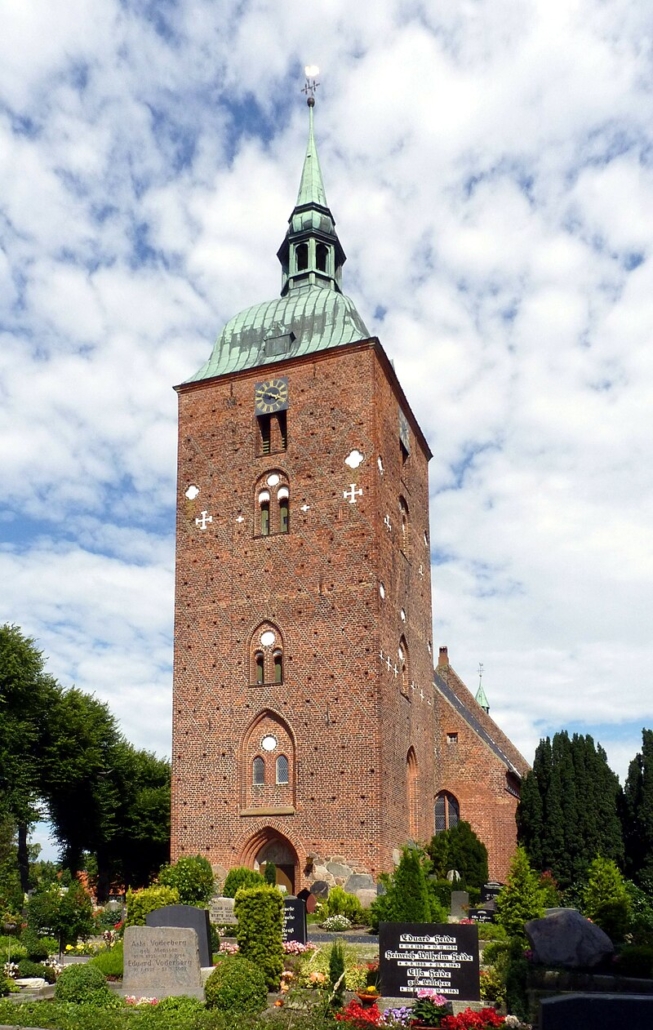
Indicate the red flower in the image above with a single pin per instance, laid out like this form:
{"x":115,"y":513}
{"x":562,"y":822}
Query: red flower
{"x":486,"y":1019}
{"x":357,"y":1016}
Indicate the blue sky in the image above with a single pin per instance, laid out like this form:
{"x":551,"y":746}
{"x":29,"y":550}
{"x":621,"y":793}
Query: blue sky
{"x":490,"y":167}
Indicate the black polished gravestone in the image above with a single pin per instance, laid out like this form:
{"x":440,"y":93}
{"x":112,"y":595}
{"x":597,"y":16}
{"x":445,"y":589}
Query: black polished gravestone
{"x":482,"y":915}
{"x":196,"y":919}
{"x":416,"y":955}
{"x":597,"y":1012}
{"x":490,"y":890}
{"x":294,"y":919}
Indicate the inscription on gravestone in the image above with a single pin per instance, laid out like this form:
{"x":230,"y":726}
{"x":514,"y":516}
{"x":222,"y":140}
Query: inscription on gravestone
{"x":490,"y":890}
{"x":415,"y":955}
{"x":221,"y":910}
{"x":482,"y":915}
{"x":160,"y":961}
{"x":294,"y":919}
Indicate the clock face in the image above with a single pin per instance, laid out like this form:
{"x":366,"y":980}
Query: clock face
{"x":271,"y":396}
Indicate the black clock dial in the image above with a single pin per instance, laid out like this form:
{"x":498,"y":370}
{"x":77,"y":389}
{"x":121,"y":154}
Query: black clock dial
{"x":271,"y":396}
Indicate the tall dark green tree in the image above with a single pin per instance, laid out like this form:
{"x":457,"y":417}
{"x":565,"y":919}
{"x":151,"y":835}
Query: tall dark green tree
{"x":569,"y":808}
{"x":637,"y":813}
{"x":26,"y":694}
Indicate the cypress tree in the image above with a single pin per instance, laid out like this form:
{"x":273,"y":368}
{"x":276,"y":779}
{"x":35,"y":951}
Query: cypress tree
{"x":410,"y":891}
{"x":637,"y":813}
{"x":569,"y":809}
{"x":522,"y":898}
{"x":459,"y":848}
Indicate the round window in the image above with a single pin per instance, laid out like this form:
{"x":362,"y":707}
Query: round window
{"x":269,"y":742}
{"x":268,"y":638}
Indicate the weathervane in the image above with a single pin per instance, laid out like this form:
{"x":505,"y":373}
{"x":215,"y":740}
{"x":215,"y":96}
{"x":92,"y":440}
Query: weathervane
{"x":310,"y":85}
{"x":480,"y":675}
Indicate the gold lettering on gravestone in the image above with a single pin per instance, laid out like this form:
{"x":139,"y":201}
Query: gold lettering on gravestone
{"x":162,"y":958}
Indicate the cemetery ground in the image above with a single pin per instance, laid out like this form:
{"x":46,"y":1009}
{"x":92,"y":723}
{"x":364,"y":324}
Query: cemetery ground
{"x":178,"y":957}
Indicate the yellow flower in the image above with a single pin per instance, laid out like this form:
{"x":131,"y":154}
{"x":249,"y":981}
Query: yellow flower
{"x":69,"y":947}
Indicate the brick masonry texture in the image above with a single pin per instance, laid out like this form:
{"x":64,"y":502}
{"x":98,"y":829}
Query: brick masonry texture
{"x":344,"y":601}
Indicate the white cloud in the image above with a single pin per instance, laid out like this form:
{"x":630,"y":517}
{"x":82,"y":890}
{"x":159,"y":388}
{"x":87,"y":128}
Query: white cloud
{"x":489,"y":168}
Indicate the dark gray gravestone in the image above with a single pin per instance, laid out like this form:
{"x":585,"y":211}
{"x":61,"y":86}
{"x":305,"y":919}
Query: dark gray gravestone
{"x":294,"y":919}
{"x":459,"y":904}
{"x":597,"y":1012}
{"x":416,"y":955}
{"x":196,"y":919}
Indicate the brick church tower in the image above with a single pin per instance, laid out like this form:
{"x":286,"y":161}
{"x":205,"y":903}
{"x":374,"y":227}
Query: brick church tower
{"x":304,"y":725}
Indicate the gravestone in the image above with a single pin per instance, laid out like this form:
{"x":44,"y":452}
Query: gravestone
{"x":221,"y":911}
{"x":490,"y":890}
{"x":597,"y":1012}
{"x":459,"y":904}
{"x":309,"y":900}
{"x":482,"y":915}
{"x":294,"y":919}
{"x":416,"y":955}
{"x":160,"y":961}
{"x":196,"y":919}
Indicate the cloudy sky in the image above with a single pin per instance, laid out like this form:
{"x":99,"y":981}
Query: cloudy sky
{"x":490,"y":167}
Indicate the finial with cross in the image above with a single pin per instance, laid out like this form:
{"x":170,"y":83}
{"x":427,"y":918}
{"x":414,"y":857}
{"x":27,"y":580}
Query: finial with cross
{"x":480,"y":674}
{"x":310,"y":85}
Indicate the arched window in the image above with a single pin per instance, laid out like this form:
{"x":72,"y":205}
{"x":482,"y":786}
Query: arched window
{"x":282,"y":769}
{"x":321,"y":257}
{"x":302,"y":257}
{"x":277,"y":659}
{"x":258,"y":771}
{"x":404,"y":525}
{"x":264,"y":506}
{"x":272,"y":503}
{"x":266,"y":655}
{"x":411,"y":794}
{"x":447,"y":811}
{"x":404,"y":667}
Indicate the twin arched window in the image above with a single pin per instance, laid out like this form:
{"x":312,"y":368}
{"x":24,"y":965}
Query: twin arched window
{"x":281,"y":771}
{"x":272,"y":504}
{"x":266,"y":655}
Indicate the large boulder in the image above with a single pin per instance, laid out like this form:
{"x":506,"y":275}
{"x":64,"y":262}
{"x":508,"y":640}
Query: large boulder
{"x":566,"y":938}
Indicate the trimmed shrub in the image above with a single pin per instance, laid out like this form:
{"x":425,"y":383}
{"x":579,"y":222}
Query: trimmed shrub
{"x":140,"y":903}
{"x":110,"y":962}
{"x":193,"y":878}
{"x":28,"y":968}
{"x":340,"y":903}
{"x":459,"y":848}
{"x":236,"y":985}
{"x":241,"y":876}
{"x":81,"y":984}
{"x":259,"y":911}
{"x":38,"y":948}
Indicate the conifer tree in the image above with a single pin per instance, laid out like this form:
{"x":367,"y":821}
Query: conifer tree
{"x":568,"y":813}
{"x":522,"y":898}
{"x":410,"y":891}
{"x":637,"y":813}
{"x":459,"y":848}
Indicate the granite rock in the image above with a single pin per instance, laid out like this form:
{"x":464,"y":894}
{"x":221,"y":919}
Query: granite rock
{"x":359,"y":882}
{"x":565,"y":938}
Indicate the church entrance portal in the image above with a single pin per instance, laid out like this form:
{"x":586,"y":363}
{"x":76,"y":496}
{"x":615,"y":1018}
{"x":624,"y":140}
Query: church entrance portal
{"x":271,"y":846}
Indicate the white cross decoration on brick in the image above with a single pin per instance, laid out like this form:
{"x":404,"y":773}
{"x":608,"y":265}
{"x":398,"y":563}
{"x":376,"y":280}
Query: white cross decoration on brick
{"x":421,"y":694}
{"x":351,"y":494}
{"x":241,"y":518}
{"x":396,"y":669}
{"x":388,"y":662}
{"x":203,"y":520}
{"x":387,"y":523}
{"x":421,"y":570}
{"x":412,"y":686}
{"x":305,"y":507}
{"x":381,"y":656}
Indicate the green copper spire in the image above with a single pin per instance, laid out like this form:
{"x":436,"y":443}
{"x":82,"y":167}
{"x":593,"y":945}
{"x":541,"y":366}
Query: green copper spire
{"x":481,"y":698}
{"x":311,"y":187}
{"x":312,"y":314}
{"x":311,"y":254}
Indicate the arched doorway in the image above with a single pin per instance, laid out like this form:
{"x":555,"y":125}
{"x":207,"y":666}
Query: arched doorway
{"x":269,"y":845}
